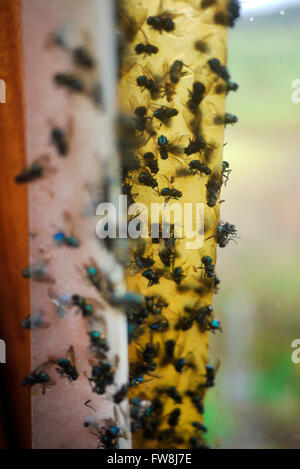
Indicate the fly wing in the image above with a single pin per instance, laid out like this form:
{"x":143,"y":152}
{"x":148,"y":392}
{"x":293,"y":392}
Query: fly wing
{"x":193,"y":121}
{"x":177,"y":146}
{"x":69,"y":222}
{"x":71,"y":355}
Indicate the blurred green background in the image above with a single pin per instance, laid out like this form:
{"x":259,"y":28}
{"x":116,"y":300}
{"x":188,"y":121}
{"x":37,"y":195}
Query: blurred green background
{"x":256,"y":402}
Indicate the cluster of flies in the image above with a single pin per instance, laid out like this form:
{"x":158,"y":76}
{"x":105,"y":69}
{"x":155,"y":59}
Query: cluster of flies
{"x":141,"y":312}
{"x":148,"y":416}
{"x":137,"y":133}
{"x":80,"y":80}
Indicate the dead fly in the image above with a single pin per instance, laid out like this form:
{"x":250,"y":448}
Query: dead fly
{"x":196,"y":95}
{"x":229,"y":17}
{"x":136,"y":316}
{"x":155,"y":304}
{"x":169,"y":352}
{"x":173,"y":418}
{"x":167,"y":255}
{"x":164,"y":114}
{"x":210,"y":375}
{"x":165,"y":147}
{"x":66,"y":366}
{"x":226,"y":119}
{"x":155,"y":409}
{"x":35,"y":321}
{"x":37,"y":169}
{"x":148,"y":84}
{"x":101,"y":282}
{"x":60,"y":138}
{"x":231,"y":86}
{"x":148,"y":352}
{"x":137,"y":411}
{"x":179,"y":363}
{"x":71,"y":82}
{"x":39,"y":376}
{"x":162,"y":21}
{"x":140,"y":413}
{"x":59,"y":38}
{"x":142,"y":122}
{"x":196,"y":400}
{"x":227,"y":87}
{"x":36,"y":378}
{"x":225,"y":172}
{"x":217,"y":282}
{"x":198,"y":167}
{"x":80,"y":55}
{"x":126,"y":189}
{"x":38,"y":271}
{"x":103,"y":374}
{"x":201,"y":44}
{"x":176,"y":71}
{"x":208,"y":267}
{"x":213,"y":188}
{"x":121,"y":394}
{"x":146,"y":179}
{"x":184,"y":323}
{"x":195,"y":146}
{"x":170,"y":193}
{"x":225,"y":233}
{"x":204,"y":320}
{"x":67,"y":237}
{"x":213,"y":325}
{"x":138,"y":369}
{"x":140,"y":118}
{"x":99,"y":344}
{"x":83,"y":58}
{"x":146,"y":49}
{"x":168,"y":91}
{"x":198,"y":313}
{"x":171,"y":392}
{"x":151,"y":82}
{"x":108,"y":435}
{"x":87,"y":306}
{"x":94,"y":275}
{"x":153,"y":276}
{"x":166,"y":87}
{"x":151,"y":162}
{"x":96,"y":94}
{"x":159,"y":324}
{"x":177,"y":275}
{"x":199,"y":427}
{"x":140,"y":262}
{"x":61,"y":302}
{"x":220,"y":70}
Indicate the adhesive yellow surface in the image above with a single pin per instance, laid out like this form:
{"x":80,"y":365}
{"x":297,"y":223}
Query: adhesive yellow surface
{"x":192,"y":23}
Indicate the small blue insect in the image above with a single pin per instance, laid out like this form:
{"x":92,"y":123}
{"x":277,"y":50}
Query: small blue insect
{"x":215,"y":325}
